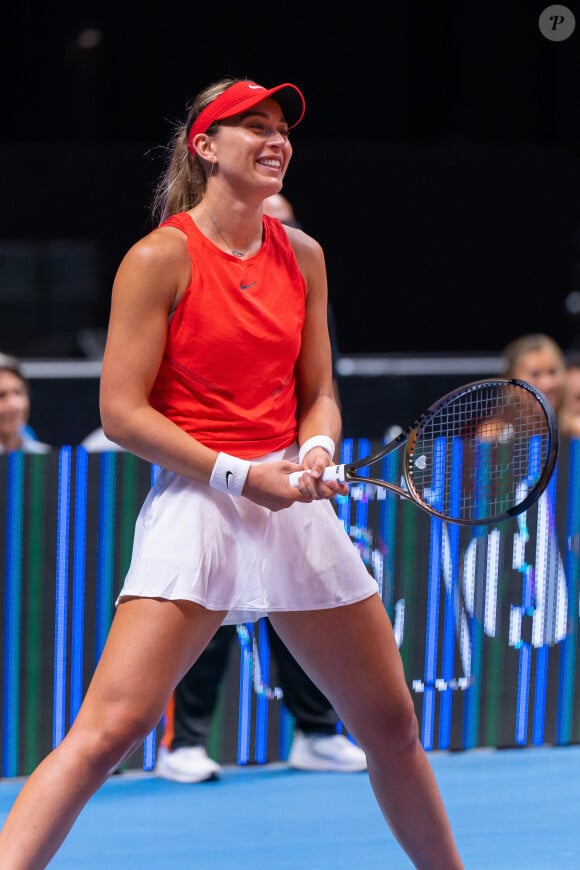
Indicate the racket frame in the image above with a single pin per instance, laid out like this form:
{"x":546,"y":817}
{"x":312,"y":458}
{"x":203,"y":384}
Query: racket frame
{"x":409,"y":437}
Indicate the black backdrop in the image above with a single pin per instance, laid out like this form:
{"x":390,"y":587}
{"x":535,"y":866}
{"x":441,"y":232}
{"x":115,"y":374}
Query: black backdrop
{"x":438,"y":161}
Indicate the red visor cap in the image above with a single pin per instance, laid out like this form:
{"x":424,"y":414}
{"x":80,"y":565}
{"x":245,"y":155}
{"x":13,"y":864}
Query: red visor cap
{"x":242,"y":96}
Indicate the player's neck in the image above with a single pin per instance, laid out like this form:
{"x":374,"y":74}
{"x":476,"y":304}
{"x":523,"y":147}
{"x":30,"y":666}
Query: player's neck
{"x":236,"y":229}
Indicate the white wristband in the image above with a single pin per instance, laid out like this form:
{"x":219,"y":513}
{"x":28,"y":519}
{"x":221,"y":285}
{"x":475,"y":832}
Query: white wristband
{"x":317,"y":441}
{"x":229,"y":474}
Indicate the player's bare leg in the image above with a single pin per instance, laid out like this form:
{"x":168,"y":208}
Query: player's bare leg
{"x":350,"y":652}
{"x":150,"y":646}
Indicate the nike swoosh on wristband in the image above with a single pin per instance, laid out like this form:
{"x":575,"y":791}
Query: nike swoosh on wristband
{"x":228,"y":475}
{"x":245,"y":286}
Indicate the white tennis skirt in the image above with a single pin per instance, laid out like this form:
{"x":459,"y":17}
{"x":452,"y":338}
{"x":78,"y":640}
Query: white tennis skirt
{"x":224,"y":552}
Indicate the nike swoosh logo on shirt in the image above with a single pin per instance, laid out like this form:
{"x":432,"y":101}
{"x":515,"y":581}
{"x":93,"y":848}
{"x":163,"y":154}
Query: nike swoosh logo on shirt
{"x":228,"y":475}
{"x":245,"y":286}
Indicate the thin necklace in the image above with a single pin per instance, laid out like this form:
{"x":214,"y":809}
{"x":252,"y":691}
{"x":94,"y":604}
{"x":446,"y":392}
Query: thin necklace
{"x":234,"y":251}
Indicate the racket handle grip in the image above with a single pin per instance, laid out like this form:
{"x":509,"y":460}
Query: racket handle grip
{"x":332,"y":472}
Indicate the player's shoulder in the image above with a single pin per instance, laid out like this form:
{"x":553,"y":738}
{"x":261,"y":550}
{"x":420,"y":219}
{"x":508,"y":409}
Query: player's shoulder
{"x":163,"y":246}
{"x":304,"y":245}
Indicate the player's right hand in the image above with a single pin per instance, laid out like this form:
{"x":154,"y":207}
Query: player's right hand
{"x":267,"y":485}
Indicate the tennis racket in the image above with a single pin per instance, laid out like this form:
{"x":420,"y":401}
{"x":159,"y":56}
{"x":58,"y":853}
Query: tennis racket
{"x":482,"y":453}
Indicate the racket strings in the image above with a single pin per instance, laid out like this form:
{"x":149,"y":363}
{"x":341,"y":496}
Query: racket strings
{"x":480,"y":454}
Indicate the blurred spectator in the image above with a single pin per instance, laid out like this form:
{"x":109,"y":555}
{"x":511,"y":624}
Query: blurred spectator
{"x":570,"y":411}
{"x":277,"y":206}
{"x":539,"y":360}
{"x":15,"y":434}
{"x":317,"y":745}
{"x":97,"y":442}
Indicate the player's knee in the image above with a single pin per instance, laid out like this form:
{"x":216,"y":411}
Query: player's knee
{"x":115,"y":736}
{"x":395,"y":729}
{"x":405,"y":730}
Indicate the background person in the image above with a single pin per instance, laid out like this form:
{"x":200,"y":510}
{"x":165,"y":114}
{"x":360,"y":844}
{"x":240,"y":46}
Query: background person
{"x":97,"y":442}
{"x":539,"y":360}
{"x":15,"y":434}
{"x":316,"y":745}
{"x":278,"y":206}
{"x":570,"y":410}
{"x":218,"y":369}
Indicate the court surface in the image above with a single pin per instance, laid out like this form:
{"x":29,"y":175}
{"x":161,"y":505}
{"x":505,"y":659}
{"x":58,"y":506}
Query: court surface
{"x":509,"y":809}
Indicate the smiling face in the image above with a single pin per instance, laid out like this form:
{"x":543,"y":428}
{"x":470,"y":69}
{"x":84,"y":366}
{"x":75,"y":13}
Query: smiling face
{"x":544,"y":369}
{"x":572,"y":399}
{"x":14,"y":409}
{"x":253,"y":146}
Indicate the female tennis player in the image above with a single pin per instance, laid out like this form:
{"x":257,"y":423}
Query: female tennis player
{"x":218,"y":369}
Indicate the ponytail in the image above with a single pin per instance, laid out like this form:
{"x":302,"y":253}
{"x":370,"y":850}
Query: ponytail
{"x":182,"y":185}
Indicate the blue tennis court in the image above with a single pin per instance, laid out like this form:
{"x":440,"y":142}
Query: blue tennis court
{"x":509,"y":809}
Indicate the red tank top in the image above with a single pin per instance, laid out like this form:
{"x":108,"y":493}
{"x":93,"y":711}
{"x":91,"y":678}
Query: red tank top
{"x":227,"y":374}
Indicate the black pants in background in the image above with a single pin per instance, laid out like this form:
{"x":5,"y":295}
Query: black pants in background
{"x":196,"y":696}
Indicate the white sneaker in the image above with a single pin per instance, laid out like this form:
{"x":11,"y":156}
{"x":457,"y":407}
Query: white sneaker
{"x":333,"y":752}
{"x":188,"y":764}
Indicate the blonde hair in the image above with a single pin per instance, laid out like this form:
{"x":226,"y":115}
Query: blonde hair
{"x":9,"y":363}
{"x":519,"y":347}
{"x":183,"y":182}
